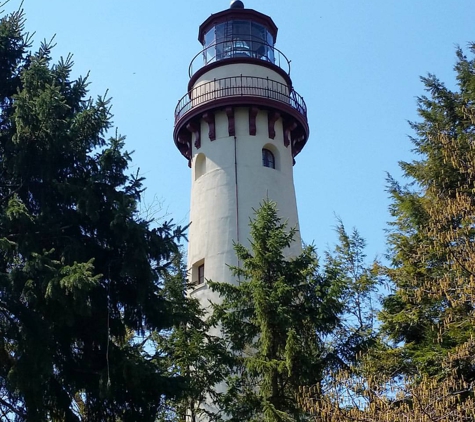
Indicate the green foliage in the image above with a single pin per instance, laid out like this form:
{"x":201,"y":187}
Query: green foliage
{"x":430,"y":313}
{"x":81,"y":272}
{"x":355,"y":284}
{"x":422,"y":366}
{"x":191,"y":352}
{"x":274,"y":320}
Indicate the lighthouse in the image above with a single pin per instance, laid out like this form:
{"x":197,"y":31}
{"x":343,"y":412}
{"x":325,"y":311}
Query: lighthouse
{"x":239,"y":126}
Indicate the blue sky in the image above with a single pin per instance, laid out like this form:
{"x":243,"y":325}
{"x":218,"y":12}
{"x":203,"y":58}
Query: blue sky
{"x":356,"y":63}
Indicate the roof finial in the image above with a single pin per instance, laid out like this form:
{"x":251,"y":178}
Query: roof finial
{"x":237,"y":4}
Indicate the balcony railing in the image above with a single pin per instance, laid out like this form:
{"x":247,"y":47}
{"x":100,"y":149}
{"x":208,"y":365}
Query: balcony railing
{"x":252,"y":48}
{"x":239,"y":86}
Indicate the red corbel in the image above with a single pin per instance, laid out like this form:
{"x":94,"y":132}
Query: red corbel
{"x":252,"y":120}
{"x":210,"y":119}
{"x":195,"y":129}
{"x":272,"y":117}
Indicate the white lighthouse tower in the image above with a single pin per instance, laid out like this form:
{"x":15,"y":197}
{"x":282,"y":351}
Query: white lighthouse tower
{"x":240,"y":126}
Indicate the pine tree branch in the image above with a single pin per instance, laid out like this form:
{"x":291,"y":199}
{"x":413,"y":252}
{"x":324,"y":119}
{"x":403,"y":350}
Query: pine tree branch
{"x":10,"y":195}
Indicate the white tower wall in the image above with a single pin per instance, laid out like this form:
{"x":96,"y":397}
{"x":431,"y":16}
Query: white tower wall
{"x":229,"y":182}
{"x":239,"y":101}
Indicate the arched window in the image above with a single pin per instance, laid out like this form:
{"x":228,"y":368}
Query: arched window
{"x":200,"y":165}
{"x":268,"y":159}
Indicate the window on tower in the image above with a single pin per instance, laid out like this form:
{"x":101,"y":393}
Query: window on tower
{"x":199,"y":165}
{"x":268,"y":159}
{"x":197,"y":276}
{"x":201,"y":274}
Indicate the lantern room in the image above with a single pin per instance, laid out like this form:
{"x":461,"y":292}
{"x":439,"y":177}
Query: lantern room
{"x":238,"y":33}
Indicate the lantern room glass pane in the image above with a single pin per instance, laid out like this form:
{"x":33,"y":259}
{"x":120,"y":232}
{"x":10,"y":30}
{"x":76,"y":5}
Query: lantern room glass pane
{"x":209,"y":53}
{"x":270,"y":39}
{"x":222,"y":30}
{"x":210,"y":37}
{"x":242,"y":30}
{"x":258,"y":32}
{"x":259,"y":42}
{"x":270,"y":47}
{"x":241,"y":36}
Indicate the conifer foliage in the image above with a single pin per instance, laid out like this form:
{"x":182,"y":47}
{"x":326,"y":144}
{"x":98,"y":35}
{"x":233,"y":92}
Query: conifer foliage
{"x":274,"y":321}
{"x":433,"y":237}
{"x":191,"y":352}
{"x":356,"y":283}
{"x":80,"y":270}
{"x":423,"y":368}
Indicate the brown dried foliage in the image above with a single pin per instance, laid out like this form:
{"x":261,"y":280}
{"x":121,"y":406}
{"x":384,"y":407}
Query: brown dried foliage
{"x":352,"y":397}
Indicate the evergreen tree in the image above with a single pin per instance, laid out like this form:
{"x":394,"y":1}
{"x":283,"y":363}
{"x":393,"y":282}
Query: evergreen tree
{"x":80,"y":271}
{"x":192,"y":353}
{"x":274,"y":319}
{"x":356,"y":282}
{"x":423,"y":369}
{"x":431,"y":312}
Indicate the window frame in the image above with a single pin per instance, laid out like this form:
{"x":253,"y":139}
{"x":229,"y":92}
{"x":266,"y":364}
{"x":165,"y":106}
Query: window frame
{"x":266,"y":162}
{"x":201,"y":274}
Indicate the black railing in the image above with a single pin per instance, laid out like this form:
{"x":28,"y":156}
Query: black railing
{"x":239,"y":86}
{"x":229,"y":49}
